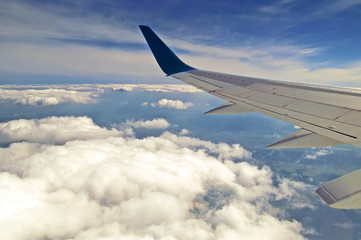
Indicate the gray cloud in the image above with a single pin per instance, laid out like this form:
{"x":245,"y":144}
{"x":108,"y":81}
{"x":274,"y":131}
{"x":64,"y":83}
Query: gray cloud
{"x":167,"y":187}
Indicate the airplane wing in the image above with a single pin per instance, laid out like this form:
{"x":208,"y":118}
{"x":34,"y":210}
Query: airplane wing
{"x":326,"y":116}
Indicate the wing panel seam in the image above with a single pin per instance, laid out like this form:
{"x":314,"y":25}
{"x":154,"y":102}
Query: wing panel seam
{"x":344,"y":134}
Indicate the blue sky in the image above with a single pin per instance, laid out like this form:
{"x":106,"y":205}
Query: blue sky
{"x":304,"y":41}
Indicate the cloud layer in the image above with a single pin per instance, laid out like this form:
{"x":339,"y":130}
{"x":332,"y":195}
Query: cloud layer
{"x":116,"y":187}
{"x":53,"y":94}
{"x":53,"y":130}
{"x":45,"y":97}
{"x":166,"y":88}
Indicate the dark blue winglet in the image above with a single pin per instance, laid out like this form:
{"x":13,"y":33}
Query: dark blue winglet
{"x":167,"y":60}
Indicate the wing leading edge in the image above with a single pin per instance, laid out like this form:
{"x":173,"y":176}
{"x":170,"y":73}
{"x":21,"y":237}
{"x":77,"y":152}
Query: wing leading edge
{"x":327,"y":116}
{"x":331,"y":116}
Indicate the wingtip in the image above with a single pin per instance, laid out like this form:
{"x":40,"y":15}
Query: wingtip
{"x":167,"y":60}
{"x":271,"y":146}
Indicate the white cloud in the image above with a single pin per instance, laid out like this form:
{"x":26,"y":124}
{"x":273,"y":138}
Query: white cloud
{"x":52,"y":94}
{"x":157,"y":123}
{"x":274,"y":135}
{"x":346,"y":225}
{"x":176,"y":104}
{"x":47,"y":130}
{"x":166,"y":187}
{"x":289,"y":189}
{"x":322,"y":152}
{"x":45,"y":97}
{"x":222,"y":150}
{"x":166,"y":88}
{"x":184,"y":132}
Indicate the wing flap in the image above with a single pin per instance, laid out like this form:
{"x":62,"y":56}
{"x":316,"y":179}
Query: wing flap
{"x":239,"y":91}
{"x":317,"y":109}
{"x":343,"y":192}
{"x":302,"y":139}
{"x":353,"y":117}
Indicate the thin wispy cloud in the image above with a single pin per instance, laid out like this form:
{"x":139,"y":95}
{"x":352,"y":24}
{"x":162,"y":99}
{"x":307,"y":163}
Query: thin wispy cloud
{"x":338,"y":6}
{"x":316,"y":154}
{"x":277,"y":8}
{"x":77,"y":58}
{"x":53,"y":24}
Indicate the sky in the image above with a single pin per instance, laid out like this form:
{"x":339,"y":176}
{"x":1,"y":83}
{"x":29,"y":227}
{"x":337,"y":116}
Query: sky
{"x":99,"y":41}
{"x":97,"y":143}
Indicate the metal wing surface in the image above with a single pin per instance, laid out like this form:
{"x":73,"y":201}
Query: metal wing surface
{"x":326,"y":115}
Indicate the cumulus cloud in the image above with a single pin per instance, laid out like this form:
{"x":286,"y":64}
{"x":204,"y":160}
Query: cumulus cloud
{"x":221,"y":150}
{"x":165,"y":88}
{"x":45,"y":97}
{"x":55,"y":130}
{"x":157,"y":123}
{"x":184,"y":132}
{"x":167,"y":187}
{"x":322,"y":152}
{"x":167,"y":103}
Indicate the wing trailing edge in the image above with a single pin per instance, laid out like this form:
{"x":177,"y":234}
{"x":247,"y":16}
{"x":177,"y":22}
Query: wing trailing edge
{"x":229,"y":108}
{"x":304,"y":139}
{"x":343,"y":192}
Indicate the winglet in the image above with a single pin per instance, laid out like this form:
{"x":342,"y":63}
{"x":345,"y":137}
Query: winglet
{"x":167,"y":60}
